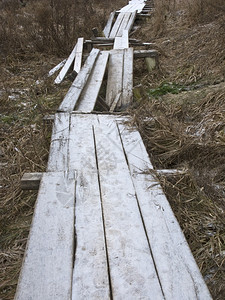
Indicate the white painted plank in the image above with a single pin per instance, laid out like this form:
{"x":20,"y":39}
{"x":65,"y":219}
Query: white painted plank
{"x":66,"y":67}
{"x":131,"y":21}
{"x":78,"y":56}
{"x":108,"y":26}
{"x":58,"y":158}
{"x":115,"y":75}
{"x":90,"y":93}
{"x":90,"y":277}
{"x":56,"y":68}
{"x":116,"y":25}
{"x":127,"y":92}
{"x":48,"y":261}
{"x":122,"y":42}
{"x":123,"y":24}
{"x":75,"y":90}
{"x":132,"y":270}
{"x":179,"y":275}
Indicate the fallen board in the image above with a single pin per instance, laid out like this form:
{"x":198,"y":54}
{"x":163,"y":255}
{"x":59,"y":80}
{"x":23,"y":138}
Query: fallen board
{"x":90,"y":93}
{"x":78,"y":55}
{"x":48,"y":263}
{"x":116,"y":25}
{"x":75,"y":90}
{"x":108,"y":26}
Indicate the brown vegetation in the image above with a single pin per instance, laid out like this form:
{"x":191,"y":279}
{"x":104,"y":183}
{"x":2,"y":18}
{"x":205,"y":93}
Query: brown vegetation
{"x":187,"y":131}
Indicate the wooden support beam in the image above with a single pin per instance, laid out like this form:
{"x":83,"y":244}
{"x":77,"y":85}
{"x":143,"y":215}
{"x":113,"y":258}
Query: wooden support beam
{"x":145,"y":53}
{"x":31,"y":181}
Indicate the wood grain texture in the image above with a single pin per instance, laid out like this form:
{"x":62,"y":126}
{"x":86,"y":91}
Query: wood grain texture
{"x":179,"y":275}
{"x":115,"y":75}
{"x":90,"y":276}
{"x":48,"y":262}
{"x":75,"y":90}
{"x":66,"y":66}
{"x":78,"y":55}
{"x":90,"y":93}
{"x":123,"y":24}
{"x":127,"y":92}
{"x":132,"y":270}
{"x":58,"y":154}
{"x":108,"y":26}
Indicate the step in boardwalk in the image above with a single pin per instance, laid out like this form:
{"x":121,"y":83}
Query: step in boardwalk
{"x":103,"y":228}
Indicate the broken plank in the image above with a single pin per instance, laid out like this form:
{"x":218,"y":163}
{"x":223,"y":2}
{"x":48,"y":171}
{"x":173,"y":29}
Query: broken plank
{"x":66,"y":67}
{"x":131,"y":266}
{"x":116,"y":26}
{"x":78,"y":56}
{"x":108,"y":26}
{"x":178,"y":272}
{"x":48,"y":262}
{"x":75,"y":90}
{"x":90,"y":276}
{"x":127,"y":91}
{"x":115,"y":75}
{"x":90,"y":93}
{"x":58,"y":156}
{"x":56,"y":68}
{"x":115,"y":102}
{"x":31,"y":181}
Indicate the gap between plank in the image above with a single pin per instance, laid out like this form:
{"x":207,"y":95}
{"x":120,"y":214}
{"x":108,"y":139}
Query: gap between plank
{"x":139,"y":208}
{"x":103,"y":218}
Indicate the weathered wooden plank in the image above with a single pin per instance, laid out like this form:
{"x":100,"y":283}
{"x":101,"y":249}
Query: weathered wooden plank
{"x":108,"y":26}
{"x":122,"y":42}
{"x":78,"y":56}
{"x":90,"y":277}
{"x":75,"y":90}
{"x":131,"y":21}
{"x":178,"y":273}
{"x":90,"y":93}
{"x":115,"y":102}
{"x":115,"y":75}
{"x":31,"y":181}
{"x":145,"y":53}
{"x":56,"y":68}
{"x":66,"y":67}
{"x":132,"y":271}
{"x":116,"y":26}
{"x":58,"y":158}
{"x":127,"y":92}
{"x":48,"y":262}
{"x":123,"y":24}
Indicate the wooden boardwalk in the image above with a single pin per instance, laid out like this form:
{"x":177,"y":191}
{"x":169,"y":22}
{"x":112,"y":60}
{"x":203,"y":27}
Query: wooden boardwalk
{"x":102,"y":227}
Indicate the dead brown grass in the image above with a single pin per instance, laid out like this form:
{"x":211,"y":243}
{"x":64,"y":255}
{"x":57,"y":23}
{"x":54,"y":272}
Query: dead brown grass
{"x":187,"y":131}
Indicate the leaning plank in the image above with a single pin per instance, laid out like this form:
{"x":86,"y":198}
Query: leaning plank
{"x":66,"y":67}
{"x":132,"y":271}
{"x":108,"y":26}
{"x":131,"y":21}
{"x":122,"y":42}
{"x":116,"y":26}
{"x":78,"y":56}
{"x":178,"y":273}
{"x":58,"y":158}
{"x":56,"y":68}
{"x":115,"y":102}
{"x":75,"y":90}
{"x":123,"y":24}
{"x":115,"y":75}
{"x":48,"y":262}
{"x":31,"y":181}
{"x":90,"y":276}
{"x":127,"y":92}
{"x":90,"y":93}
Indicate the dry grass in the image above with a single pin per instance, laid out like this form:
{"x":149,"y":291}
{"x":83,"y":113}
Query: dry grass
{"x":187,"y":131}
